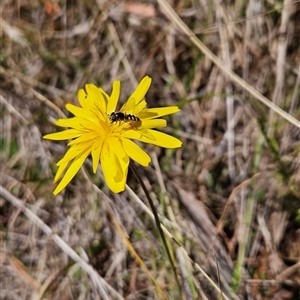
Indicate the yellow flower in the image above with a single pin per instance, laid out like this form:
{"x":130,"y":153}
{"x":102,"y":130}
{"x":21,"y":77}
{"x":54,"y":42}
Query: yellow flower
{"x":97,"y":128}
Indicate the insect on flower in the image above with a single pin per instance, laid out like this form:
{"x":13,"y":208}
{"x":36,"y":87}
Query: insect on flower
{"x":119,"y":116}
{"x":131,"y":118}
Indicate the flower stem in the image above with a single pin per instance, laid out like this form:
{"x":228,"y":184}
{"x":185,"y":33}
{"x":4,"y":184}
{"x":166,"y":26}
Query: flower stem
{"x":157,"y":221}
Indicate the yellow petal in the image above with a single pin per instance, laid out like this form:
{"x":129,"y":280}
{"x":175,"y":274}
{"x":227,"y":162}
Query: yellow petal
{"x":63,"y":135}
{"x":162,"y":139}
{"x":141,"y":89}
{"x":111,"y":168}
{"x":82,"y":98}
{"x":150,"y":113}
{"x":89,"y":137}
{"x":105,"y":95}
{"x":76,"y":123}
{"x":114,"y":97}
{"x":107,"y":158}
{"x":136,"y":153}
{"x":141,"y":131}
{"x":74,"y":151}
{"x":133,"y":107}
{"x":96,"y":154}
{"x":139,"y":107}
{"x":128,"y":106}
{"x":117,"y":147}
{"x":146,"y":133}
{"x":95,"y":98}
{"x":137,"y":96}
{"x":83,"y":124}
{"x":71,"y":172}
{"x":156,"y":123}
{"x":93,"y":125}
{"x":68,"y":122}
{"x":80,"y":112}
{"x":122,"y":170}
{"x":60,"y":171}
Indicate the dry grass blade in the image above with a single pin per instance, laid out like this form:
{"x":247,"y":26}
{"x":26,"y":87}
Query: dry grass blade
{"x":284,"y":33}
{"x":13,"y":33}
{"x":137,"y":258}
{"x":167,"y":9}
{"x":169,"y":234}
{"x":23,"y":273}
{"x":102,"y":286}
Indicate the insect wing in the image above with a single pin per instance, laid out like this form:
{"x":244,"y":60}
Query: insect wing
{"x":139,"y":107}
{"x":133,"y":107}
{"x":128,"y":106}
{"x":144,"y":132}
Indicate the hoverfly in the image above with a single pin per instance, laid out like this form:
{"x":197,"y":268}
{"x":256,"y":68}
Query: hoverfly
{"x":126,"y":114}
{"x":120,"y":116}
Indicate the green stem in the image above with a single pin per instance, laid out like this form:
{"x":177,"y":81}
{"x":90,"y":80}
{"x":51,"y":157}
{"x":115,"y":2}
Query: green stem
{"x":157,"y":221}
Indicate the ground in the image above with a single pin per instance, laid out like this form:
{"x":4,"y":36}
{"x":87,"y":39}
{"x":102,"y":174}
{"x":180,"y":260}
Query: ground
{"x":229,"y":198}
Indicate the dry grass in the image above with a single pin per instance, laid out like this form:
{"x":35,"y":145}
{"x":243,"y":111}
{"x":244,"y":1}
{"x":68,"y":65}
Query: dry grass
{"x":229,"y":199}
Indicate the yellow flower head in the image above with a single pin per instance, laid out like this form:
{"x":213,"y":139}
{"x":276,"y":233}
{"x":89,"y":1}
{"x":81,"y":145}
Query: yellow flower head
{"x":97,"y":128}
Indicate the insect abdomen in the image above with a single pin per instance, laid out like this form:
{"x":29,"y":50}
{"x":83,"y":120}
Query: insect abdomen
{"x":130,"y":117}
{"x":119,"y":116}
